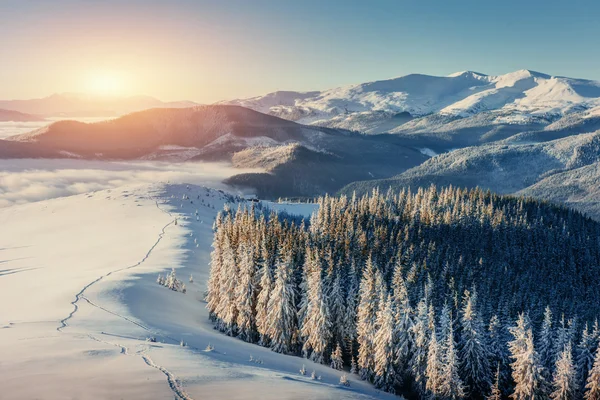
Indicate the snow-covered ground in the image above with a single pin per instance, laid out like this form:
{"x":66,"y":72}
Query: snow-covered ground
{"x":79,"y":298}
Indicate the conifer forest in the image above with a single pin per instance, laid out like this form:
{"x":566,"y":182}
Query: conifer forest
{"x":440,"y":293}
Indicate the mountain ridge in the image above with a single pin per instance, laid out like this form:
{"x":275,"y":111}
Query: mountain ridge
{"x":523,"y":97}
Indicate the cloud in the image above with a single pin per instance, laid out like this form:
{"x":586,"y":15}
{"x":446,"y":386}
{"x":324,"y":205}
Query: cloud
{"x":24,"y":181}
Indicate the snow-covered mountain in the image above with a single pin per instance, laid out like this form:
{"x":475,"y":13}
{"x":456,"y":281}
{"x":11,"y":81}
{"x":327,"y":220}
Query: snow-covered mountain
{"x":299,"y":160}
{"x":565,"y":169}
{"x":83,"y":105}
{"x":399,"y":105}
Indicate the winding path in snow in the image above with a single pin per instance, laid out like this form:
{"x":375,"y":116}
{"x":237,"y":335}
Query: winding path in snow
{"x":171,"y":379}
{"x":79,"y":296}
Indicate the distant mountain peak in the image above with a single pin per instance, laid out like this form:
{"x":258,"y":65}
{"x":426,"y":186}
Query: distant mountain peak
{"x":522,"y":97}
{"x":466,"y":73}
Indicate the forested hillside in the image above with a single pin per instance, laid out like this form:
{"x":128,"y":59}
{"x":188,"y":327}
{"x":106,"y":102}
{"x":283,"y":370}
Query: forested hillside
{"x":446,"y":293}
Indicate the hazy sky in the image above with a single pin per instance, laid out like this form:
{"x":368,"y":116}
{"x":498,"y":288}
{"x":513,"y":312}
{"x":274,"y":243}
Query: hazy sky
{"x":212,"y":50}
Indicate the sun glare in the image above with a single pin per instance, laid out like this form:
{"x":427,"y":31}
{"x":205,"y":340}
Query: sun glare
{"x":105,"y":83}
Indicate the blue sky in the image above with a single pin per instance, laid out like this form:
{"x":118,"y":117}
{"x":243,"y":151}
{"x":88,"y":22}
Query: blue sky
{"x":212,"y":50}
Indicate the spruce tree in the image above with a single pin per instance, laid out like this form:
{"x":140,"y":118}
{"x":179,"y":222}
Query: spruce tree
{"x":473,"y":353}
{"x":592,"y":387}
{"x":565,"y":379}
{"x":403,"y":321}
{"x":316,"y":325}
{"x":336,"y":358}
{"x":245,"y":294}
{"x":365,"y":324}
{"x":451,"y":385}
{"x":545,"y":343}
{"x":527,"y":372}
{"x":420,"y":341}
{"x":384,"y":372}
{"x":434,"y":368}
{"x":495,"y":391}
{"x":262,"y":303}
{"x":584,"y":360}
{"x":282,"y":328}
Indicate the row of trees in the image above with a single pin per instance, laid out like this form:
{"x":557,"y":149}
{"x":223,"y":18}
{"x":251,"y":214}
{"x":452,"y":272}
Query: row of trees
{"x":386,"y":285}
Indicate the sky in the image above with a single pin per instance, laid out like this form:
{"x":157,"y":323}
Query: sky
{"x":208,"y":51}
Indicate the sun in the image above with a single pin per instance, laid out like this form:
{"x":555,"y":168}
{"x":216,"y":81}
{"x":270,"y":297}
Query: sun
{"x":105,"y":83}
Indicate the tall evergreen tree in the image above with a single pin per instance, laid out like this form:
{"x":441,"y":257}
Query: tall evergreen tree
{"x":545,"y":343}
{"x":592,"y":386}
{"x":403,"y":321}
{"x":282,"y":328}
{"x":365,"y":324}
{"x":245,"y":294}
{"x":385,"y":375}
{"x":473,"y":353}
{"x":584,"y":360}
{"x":451,"y":385}
{"x":565,"y":379}
{"x":262,"y":303}
{"x":435,"y":364}
{"x":420,"y":341}
{"x":527,"y":372}
{"x":495,"y":391}
{"x":316,"y":326}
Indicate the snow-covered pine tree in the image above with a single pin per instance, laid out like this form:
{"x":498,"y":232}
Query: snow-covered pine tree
{"x":227,"y":307}
{"x":473,"y":353}
{"x":216,"y":269}
{"x":281,"y":317}
{"x":385,"y":375}
{"x":316,"y":325}
{"x":495,"y":391}
{"x":262,"y":302}
{"x":527,"y":372}
{"x":434,"y":370}
{"x":565,"y":377}
{"x":349,"y":325}
{"x":420,"y":342}
{"x":584,"y":358}
{"x":337,"y":308}
{"x":365,"y":320}
{"x":545,"y":343}
{"x":336,"y":358}
{"x":498,"y":350}
{"x":592,"y":387}
{"x":561,"y":339}
{"x":403,"y":323}
{"x":353,"y":367}
{"x":246,"y":294}
{"x":451,"y":385}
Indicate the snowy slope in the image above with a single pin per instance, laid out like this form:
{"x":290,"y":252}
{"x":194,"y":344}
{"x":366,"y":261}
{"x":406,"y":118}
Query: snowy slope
{"x":78,"y":299}
{"x":518,"y":97}
{"x":562,"y":170}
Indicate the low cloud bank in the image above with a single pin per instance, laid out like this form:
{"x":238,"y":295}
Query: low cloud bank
{"x":24,"y":181}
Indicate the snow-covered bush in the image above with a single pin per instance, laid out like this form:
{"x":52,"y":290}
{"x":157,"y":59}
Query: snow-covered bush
{"x":171,"y":282}
{"x":344,"y":380}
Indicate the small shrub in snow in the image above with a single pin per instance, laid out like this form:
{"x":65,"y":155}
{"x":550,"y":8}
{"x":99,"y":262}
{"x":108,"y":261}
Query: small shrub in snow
{"x":191,"y":278}
{"x":182,"y":343}
{"x":171,"y":282}
{"x":344,"y":380}
{"x":303,"y":370}
{"x":210,"y":347}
